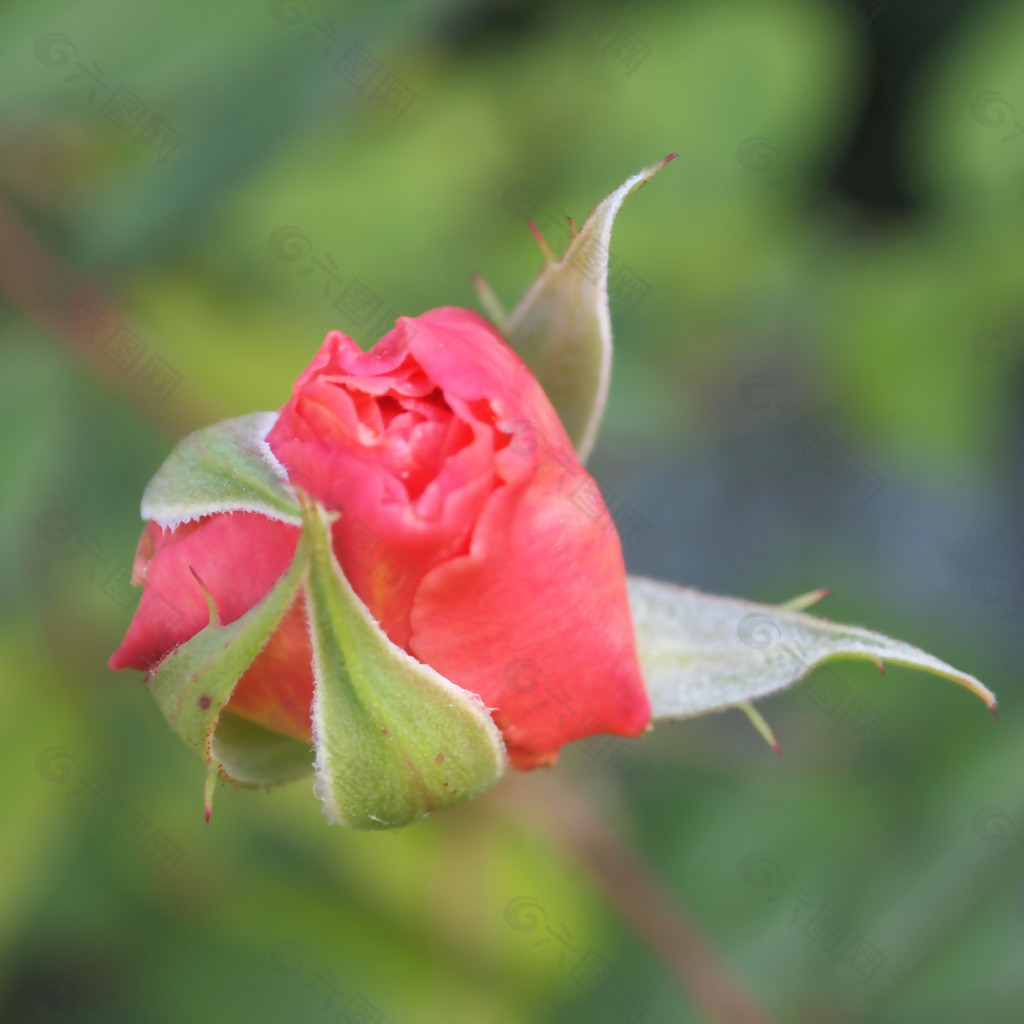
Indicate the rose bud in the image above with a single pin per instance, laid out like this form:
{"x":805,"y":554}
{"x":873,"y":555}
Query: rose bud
{"x":458,"y":515}
{"x":408,"y":568}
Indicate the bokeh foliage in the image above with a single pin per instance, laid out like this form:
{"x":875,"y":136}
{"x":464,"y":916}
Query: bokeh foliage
{"x":793,"y":325}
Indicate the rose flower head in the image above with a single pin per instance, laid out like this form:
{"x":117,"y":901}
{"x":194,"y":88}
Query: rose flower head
{"x":404,"y":580}
{"x":460,"y":517}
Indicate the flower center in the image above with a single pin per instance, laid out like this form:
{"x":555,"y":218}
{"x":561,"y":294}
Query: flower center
{"x":412,"y":435}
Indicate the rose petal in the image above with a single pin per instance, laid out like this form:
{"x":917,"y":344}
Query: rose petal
{"x":239,"y":556}
{"x":541,"y":596}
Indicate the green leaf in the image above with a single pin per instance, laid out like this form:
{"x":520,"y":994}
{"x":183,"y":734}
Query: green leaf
{"x":394,"y":739}
{"x":195,"y":681}
{"x":224,"y":468}
{"x":701,"y":653}
{"x":562,"y":328}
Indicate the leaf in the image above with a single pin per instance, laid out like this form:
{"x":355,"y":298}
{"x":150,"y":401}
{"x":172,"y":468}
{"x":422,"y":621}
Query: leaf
{"x":562,"y":328}
{"x":195,"y":681}
{"x":394,"y":739}
{"x":224,"y":468}
{"x":701,"y":653}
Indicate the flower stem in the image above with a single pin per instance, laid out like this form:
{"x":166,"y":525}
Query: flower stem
{"x":648,"y":906}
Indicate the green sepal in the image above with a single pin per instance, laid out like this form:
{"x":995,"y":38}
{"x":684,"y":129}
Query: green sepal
{"x":562,"y":328}
{"x":227,"y":467}
{"x":700,"y":653}
{"x":394,"y":739}
{"x":195,"y":681}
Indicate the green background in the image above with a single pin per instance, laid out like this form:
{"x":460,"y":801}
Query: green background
{"x":831,"y":292}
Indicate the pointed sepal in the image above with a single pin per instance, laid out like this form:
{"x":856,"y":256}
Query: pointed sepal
{"x":195,"y":681}
{"x":490,"y":302}
{"x":562,"y":328}
{"x":805,"y":601}
{"x":394,"y":739}
{"x":227,"y":467}
{"x":700,"y":653}
{"x":757,"y":720}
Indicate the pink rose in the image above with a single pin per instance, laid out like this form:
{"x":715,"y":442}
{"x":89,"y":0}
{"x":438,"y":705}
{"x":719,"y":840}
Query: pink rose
{"x":467,"y":526}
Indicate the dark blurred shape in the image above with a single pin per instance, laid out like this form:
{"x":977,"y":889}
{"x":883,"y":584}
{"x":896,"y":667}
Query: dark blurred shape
{"x":901,"y":39}
{"x":494,"y":26}
{"x":67,"y":984}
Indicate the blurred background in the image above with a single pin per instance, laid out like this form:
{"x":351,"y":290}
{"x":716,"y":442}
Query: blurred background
{"x":819,"y":381}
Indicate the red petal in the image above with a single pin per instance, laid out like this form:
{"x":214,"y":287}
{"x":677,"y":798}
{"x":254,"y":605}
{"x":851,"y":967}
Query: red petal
{"x":276,"y":690}
{"x":239,"y":557}
{"x":513,"y":572}
{"x":536,"y":621}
